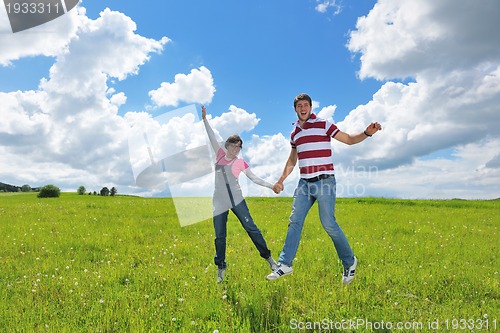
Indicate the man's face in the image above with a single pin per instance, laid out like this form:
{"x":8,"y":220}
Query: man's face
{"x":303,"y":109}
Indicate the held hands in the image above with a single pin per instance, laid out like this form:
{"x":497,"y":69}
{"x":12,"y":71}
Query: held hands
{"x":278,"y":187}
{"x":373,"y":128}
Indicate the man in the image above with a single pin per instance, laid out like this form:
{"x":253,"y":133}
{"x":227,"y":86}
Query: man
{"x":311,"y":146}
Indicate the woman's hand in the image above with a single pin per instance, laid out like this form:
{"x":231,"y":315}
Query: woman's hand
{"x":203,"y":112}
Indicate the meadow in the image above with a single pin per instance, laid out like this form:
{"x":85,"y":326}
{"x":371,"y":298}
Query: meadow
{"x":124,"y":264}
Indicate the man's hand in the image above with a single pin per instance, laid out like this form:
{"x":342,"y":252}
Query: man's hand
{"x":373,"y":128}
{"x":203,"y":112}
{"x":278,"y":187}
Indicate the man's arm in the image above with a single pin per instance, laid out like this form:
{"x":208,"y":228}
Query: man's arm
{"x":290,"y":164}
{"x":351,"y":139}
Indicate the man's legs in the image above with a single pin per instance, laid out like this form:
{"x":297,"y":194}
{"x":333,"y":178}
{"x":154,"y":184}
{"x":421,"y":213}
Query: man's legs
{"x":326,"y":196}
{"x":302,"y":202}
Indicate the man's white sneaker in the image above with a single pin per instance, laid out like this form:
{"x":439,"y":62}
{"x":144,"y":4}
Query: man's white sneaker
{"x":282,"y":270}
{"x":272,"y":263}
{"x":220,"y":274}
{"x":349,"y":273}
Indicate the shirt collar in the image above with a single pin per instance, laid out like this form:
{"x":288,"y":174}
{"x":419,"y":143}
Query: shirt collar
{"x":312,"y":116}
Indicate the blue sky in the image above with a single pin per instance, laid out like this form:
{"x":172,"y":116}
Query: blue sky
{"x":252,"y":52}
{"x":71,"y":89}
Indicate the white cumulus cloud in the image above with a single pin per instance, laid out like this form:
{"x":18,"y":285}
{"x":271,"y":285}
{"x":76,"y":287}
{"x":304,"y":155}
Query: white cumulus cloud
{"x":197,"y":86}
{"x":69,"y":129}
{"x":449,"y":104}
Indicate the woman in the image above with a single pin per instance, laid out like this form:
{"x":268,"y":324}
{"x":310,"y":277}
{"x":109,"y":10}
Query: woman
{"x":228,"y":195}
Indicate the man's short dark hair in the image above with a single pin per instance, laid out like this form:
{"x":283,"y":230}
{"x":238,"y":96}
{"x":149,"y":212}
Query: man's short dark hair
{"x":301,"y":97}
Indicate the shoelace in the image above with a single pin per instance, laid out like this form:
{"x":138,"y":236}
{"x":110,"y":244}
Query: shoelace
{"x":348,"y":272}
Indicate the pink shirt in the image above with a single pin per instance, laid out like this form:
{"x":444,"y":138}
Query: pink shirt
{"x":238,"y":166}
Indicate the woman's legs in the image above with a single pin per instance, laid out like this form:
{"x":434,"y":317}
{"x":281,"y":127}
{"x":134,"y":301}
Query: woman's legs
{"x":220,"y":227}
{"x":243,"y":214}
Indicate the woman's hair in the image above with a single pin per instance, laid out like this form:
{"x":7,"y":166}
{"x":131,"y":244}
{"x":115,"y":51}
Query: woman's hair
{"x":233,"y":139}
{"x":301,"y":97}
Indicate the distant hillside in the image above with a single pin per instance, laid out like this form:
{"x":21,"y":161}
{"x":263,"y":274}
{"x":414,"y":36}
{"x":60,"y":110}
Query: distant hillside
{"x":9,"y":188}
{"x":13,"y":188}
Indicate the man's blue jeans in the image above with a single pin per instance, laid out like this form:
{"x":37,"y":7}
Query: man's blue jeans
{"x":306,"y":193}
{"x":220,"y":226}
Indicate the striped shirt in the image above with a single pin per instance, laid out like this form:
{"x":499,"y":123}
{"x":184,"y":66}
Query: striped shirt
{"x":314,"y":150}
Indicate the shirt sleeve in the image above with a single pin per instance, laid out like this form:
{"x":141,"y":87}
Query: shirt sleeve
{"x":220,"y":154}
{"x":331,"y":129}
{"x":292,"y":140}
{"x":256,"y":179}
{"x":239,"y":166}
{"x":211,"y":136}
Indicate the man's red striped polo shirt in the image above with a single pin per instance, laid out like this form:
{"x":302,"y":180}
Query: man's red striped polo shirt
{"x":314,"y":149}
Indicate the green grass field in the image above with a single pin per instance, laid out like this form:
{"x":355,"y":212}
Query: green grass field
{"x":124,"y":264}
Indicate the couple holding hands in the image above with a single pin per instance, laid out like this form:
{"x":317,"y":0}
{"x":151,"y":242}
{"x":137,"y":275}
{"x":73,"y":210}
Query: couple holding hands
{"x":311,"y":147}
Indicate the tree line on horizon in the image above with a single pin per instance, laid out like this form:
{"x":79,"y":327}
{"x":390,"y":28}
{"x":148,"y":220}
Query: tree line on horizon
{"x":53,"y":191}
{"x":104,"y":191}
{"x":13,"y":188}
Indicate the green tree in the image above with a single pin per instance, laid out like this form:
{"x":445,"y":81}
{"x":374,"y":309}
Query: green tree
{"x":49,"y":191}
{"x":81,"y":190}
{"x":26,"y":188}
{"x":104,"y":191}
{"x":113,"y":191}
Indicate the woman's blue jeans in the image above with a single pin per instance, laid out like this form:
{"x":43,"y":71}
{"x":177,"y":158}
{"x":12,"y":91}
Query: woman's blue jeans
{"x":306,"y":193}
{"x":220,"y":226}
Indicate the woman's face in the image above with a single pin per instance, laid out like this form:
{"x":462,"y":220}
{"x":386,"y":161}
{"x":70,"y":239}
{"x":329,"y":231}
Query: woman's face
{"x":233,"y":149}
